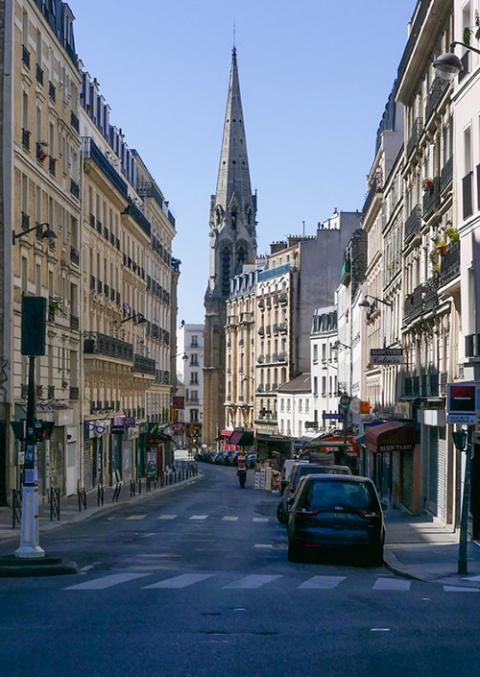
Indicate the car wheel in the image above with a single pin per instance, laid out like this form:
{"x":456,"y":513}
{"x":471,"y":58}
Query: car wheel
{"x":294,"y":553}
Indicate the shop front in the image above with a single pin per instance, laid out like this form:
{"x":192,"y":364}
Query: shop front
{"x":394,"y":463}
{"x":334,"y":450}
{"x":239,"y":438}
{"x":96,"y":437}
{"x":157,"y":451}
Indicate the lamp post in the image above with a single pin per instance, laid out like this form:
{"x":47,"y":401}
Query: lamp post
{"x":370,"y":306}
{"x":448,"y":65}
{"x":46,"y":233}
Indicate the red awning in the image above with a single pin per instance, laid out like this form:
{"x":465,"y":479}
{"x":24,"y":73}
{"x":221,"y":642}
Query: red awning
{"x":393,"y":436}
{"x":226,"y":434}
{"x":334,"y":443}
{"x":235,"y":437}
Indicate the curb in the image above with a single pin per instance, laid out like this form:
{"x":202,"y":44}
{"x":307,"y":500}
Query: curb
{"x":394,"y":565}
{"x":17,"y":567}
{"x":85,"y":514}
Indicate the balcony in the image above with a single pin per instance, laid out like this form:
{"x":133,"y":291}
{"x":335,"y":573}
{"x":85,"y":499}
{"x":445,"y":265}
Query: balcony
{"x":446,"y":174}
{"x":26,"y":139}
{"x":413,"y":224}
{"x":436,"y":94}
{"x":282,"y":327}
{"x":260,"y":359}
{"x":25,"y":57}
{"x":467,"y":182}
{"x":431,"y":199}
{"x":74,"y":122}
{"x":144,"y":365}
{"x":39,"y":74}
{"x":268,"y":330}
{"x":268,"y":358}
{"x":421,"y":301}
{"x":92,"y":153}
{"x":261,"y":388}
{"x":139,"y":218}
{"x":74,"y":323}
{"x":74,"y":189}
{"x":107,"y":346}
{"x":74,"y":393}
{"x":52,"y":92}
{"x":261,"y":331}
{"x":283,"y":299}
{"x":450,"y":264}
{"x":282,"y":357}
{"x":374,"y":190}
{"x":261,"y":304}
{"x":415,"y":134}
{"x":75,"y":256}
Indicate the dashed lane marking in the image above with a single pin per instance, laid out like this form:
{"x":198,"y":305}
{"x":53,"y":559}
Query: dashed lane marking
{"x":198,"y":517}
{"x":105,"y":582}
{"x":322,"y":583}
{"x":230,"y":518}
{"x":392,"y":584}
{"x":178,"y":582}
{"x":260,"y":519}
{"x":263,"y":546}
{"x":252,"y":581}
{"x":167,"y":517}
{"x":136,"y":517}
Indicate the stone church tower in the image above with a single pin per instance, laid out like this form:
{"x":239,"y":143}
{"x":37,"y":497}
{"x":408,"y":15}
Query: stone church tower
{"x":233,"y":242}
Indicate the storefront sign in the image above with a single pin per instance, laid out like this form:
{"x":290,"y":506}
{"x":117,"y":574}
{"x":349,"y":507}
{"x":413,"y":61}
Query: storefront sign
{"x":395,"y":447}
{"x":331,"y":417}
{"x":462,"y":403}
{"x":386,"y":355}
{"x":117,"y":430}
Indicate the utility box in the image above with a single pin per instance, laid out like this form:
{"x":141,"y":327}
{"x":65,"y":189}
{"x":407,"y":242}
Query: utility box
{"x":34,"y":325}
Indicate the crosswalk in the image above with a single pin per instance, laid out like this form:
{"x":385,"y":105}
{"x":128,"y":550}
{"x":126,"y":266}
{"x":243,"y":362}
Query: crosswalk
{"x":232,"y":581}
{"x":169,"y":517}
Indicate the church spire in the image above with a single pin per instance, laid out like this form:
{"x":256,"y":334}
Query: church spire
{"x":233,"y":172}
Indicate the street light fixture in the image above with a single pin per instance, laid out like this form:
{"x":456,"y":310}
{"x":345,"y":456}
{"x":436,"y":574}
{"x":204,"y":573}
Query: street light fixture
{"x":138,"y":318}
{"x":344,"y":345}
{"x":448,"y":65}
{"x":46,"y":234}
{"x":367,"y":304}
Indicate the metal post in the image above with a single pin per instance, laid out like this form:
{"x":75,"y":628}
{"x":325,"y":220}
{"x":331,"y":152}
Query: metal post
{"x":462,"y":548}
{"x":29,"y":531}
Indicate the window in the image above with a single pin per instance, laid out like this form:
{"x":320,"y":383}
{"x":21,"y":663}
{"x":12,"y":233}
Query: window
{"x":24,"y":275}
{"x":315,"y":353}
{"x":324,"y":385}
{"x":194,"y":360}
{"x":194,"y":343}
{"x":193,"y":415}
{"x":315,"y":386}
{"x":467,"y":150}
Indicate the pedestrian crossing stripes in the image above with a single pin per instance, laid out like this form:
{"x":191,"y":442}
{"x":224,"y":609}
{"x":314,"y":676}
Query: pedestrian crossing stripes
{"x":231,"y":581}
{"x":225,"y":518}
{"x":198,"y":517}
{"x":167,"y":517}
{"x":230,"y":518}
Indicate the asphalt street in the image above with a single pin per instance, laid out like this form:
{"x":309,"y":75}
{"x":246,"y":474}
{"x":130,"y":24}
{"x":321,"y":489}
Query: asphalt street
{"x":196,"y":582}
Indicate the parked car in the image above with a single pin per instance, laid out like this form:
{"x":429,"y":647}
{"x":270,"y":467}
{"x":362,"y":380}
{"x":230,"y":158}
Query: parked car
{"x":299,"y":470}
{"x":336,"y":511}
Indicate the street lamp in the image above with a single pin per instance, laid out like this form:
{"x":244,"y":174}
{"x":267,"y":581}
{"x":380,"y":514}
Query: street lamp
{"x":344,"y":345}
{"x":369,"y":305}
{"x":45,"y":234}
{"x":138,"y":318}
{"x":448,"y":65}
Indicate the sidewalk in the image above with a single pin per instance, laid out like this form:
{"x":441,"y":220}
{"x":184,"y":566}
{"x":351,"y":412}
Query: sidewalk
{"x":420,"y":548}
{"x":69,"y":510}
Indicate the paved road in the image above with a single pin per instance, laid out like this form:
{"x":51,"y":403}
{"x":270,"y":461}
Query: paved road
{"x":197,"y":583}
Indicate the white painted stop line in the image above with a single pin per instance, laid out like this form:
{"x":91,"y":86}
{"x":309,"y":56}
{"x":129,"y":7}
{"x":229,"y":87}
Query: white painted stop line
{"x":105,"y":582}
{"x":177,"y":582}
{"x":253,"y":581}
{"x":322,"y":583}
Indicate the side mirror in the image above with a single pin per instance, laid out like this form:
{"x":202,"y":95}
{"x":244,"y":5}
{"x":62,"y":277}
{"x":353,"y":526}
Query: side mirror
{"x":291,"y":500}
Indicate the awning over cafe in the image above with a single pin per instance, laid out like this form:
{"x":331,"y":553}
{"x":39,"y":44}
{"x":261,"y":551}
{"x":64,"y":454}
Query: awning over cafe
{"x":333,"y":443}
{"x":394,"y":436}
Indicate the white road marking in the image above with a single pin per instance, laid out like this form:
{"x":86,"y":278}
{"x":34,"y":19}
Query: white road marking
{"x":136,"y":517}
{"x":263,"y":545}
{"x":252,"y":581}
{"x":177,"y":582}
{"x":472,"y":578}
{"x":458,"y":588}
{"x":322,"y":582}
{"x":198,"y":517}
{"x":380,"y":629}
{"x":87,"y":568}
{"x":167,"y":517}
{"x":393,"y":584}
{"x":110,"y":519}
{"x":149,"y":534}
{"x":157,"y":555}
{"x":260,"y":519}
{"x":230,"y":518}
{"x":105,"y":582}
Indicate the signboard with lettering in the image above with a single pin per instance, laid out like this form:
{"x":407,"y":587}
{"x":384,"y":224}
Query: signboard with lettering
{"x":386,"y":355}
{"x":462,"y":403}
{"x":327,"y":416}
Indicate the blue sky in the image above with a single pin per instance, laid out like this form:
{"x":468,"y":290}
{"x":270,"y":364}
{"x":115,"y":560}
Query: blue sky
{"x":315,"y":76}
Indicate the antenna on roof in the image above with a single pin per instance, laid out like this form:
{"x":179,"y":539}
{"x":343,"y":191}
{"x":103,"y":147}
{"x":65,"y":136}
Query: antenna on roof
{"x":303,"y":228}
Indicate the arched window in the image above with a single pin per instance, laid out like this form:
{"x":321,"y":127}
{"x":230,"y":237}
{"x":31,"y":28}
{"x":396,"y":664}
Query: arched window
{"x":241,"y":259}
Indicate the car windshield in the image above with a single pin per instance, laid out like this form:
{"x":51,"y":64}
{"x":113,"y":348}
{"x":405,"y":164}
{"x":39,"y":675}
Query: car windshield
{"x":326,"y":495}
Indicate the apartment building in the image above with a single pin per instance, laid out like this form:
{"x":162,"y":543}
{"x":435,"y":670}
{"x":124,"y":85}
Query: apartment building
{"x":42,"y":202}
{"x":466,"y":186}
{"x":431,"y":275}
{"x":240,"y":350}
{"x":190,"y":371}
{"x":295,"y":408}
{"x":324,"y":370}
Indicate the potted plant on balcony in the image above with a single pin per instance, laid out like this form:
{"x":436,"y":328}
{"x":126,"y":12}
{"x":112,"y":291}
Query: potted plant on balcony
{"x":452,"y":234}
{"x":442,"y":247}
{"x":427,"y":184}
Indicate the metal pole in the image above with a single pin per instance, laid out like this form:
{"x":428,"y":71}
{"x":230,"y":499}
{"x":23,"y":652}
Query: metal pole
{"x":29,"y":531}
{"x":462,"y":548}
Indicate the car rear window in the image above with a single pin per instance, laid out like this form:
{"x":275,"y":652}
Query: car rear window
{"x":326,"y":495}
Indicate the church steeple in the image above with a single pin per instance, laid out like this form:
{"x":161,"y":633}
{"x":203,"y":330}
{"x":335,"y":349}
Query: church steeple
{"x":233,"y":170}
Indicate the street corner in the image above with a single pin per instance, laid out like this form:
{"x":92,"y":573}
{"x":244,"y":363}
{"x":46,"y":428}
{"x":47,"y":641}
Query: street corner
{"x":29,"y":567}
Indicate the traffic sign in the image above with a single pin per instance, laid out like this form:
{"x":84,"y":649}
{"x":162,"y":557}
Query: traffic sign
{"x":327,"y":416}
{"x":386,"y":355}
